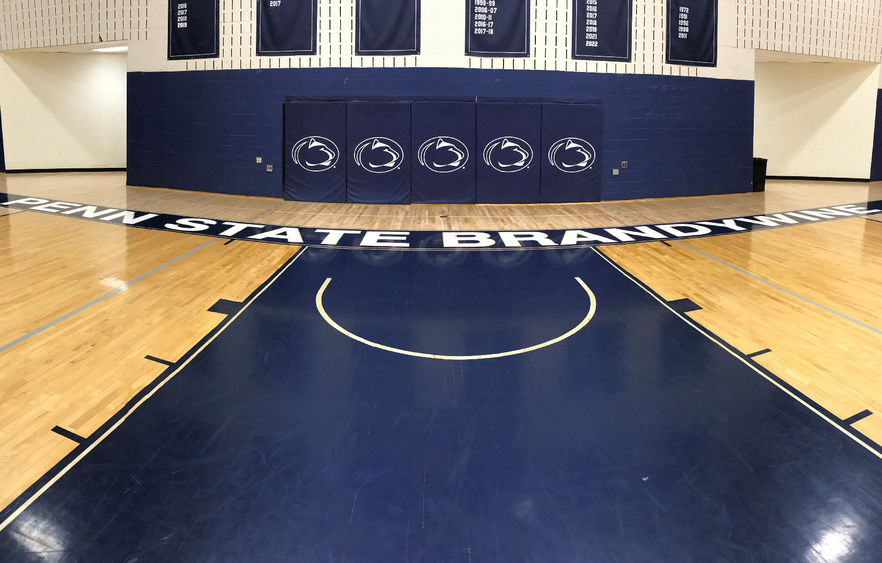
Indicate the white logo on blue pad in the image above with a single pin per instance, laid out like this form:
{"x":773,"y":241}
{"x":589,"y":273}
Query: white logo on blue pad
{"x":572,"y":155}
{"x":443,"y":154}
{"x":315,"y":154}
{"x":508,"y":154}
{"x":379,"y":155}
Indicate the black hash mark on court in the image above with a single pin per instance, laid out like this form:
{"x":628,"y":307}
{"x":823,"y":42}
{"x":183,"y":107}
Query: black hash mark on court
{"x":226,"y":307}
{"x":68,"y":434}
{"x":158,"y":360}
{"x":684,"y":305}
{"x":759,"y":353}
{"x":858,"y":417}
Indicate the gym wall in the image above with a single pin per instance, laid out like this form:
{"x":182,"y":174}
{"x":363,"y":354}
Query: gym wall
{"x":684,"y":130}
{"x":63,"y":110}
{"x":811,"y":118}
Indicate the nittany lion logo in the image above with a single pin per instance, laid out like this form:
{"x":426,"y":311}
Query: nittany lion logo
{"x":508,"y":154}
{"x":572,"y":155}
{"x":379,"y":155}
{"x":443,"y":154}
{"x":315,"y":154}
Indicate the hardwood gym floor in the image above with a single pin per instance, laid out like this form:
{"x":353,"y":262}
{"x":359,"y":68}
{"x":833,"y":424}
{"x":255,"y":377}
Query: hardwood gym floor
{"x":94,"y":313}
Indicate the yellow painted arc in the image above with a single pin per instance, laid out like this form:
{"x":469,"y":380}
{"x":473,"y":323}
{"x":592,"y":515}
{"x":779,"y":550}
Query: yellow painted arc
{"x":591,"y":310}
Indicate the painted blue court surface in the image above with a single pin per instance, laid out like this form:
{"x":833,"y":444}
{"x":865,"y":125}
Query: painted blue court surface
{"x":636,"y":438}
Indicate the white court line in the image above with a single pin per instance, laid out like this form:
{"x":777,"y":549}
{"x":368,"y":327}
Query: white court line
{"x":134,"y":407}
{"x":592,"y":308}
{"x":742,"y":359}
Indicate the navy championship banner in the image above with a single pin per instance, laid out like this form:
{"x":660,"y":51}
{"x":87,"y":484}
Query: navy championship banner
{"x":315,"y":151}
{"x":498,"y":28}
{"x":692,"y":32}
{"x":192,"y":29}
{"x":509,"y":138}
{"x":387,"y":27}
{"x":602,"y":30}
{"x":378,"y":141}
{"x":286,"y":27}
{"x":434,"y":240}
{"x":443,"y":152}
{"x":571,"y":145}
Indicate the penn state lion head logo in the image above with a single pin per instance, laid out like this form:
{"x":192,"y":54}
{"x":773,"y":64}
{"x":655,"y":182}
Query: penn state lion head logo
{"x":379,"y":155}
{"x":315,"y":154}
{"x":508,"y":154}
{"x":572,"y":155}
{"x":443,"y":154}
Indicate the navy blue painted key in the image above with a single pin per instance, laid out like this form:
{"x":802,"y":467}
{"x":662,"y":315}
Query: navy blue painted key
{"x":634,"y":439}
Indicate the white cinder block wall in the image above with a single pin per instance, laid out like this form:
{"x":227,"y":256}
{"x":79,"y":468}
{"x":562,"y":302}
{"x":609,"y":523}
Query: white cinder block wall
{"x":29,"y":24}
{"x":850,"y":29}
{"x":843,"y":29}
{"x":63,"y":110}
{"x":442,"y":41}
{"x":816,"y":119}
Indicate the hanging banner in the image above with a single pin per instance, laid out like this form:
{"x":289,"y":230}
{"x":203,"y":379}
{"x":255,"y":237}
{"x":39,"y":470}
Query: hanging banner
{"x":443,"y":152}
{"x":509,"y":141}
{"x":572,"y":135}
{"x":498,"y":28}
{"x":387,"y":27}
{"x":192,"y":29}
{"x":286,"y":27}
{"x":602,"y":30}
{"x":315,"y":151}
{"x":692,"y":32}
{"x":378,"y":143}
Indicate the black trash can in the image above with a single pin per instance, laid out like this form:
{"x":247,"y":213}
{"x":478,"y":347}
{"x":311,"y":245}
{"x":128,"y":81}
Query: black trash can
{"x":759,"y":174}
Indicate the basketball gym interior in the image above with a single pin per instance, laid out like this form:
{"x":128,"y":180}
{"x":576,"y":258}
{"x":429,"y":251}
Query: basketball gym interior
{"x":441,"y":280}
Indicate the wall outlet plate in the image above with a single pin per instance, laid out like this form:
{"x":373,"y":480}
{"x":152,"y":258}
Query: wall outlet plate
{"x":624,"y":164}
{"x":269,"y":167}
{"x":259,"y":160}
{"x":615,"y":171}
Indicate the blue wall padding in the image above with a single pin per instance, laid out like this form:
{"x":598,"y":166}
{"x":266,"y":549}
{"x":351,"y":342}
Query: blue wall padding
{"x":876,"y":167}
{"x":378,"y":136}
{"x":509,"y":136}
{"x":572,"y":140}
{"x":443,"y":152}
{"x":682,"y":136}
{"x":315,"y":150}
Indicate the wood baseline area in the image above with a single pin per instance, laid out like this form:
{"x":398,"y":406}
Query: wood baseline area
{"x":109,"y":189}
{"x":809,"y":293}
{"x":78,"y":371}
{"x":133,"y":293}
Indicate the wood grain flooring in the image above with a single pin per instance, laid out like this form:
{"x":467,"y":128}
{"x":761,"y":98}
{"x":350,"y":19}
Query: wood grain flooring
{"x":80,"y":370}
{"x":809,"y":293}
{"x":109,"y":189}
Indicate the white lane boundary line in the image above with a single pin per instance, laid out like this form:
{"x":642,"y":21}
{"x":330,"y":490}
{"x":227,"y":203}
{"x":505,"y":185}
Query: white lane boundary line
{"x":743,"y":360}
{"x":592,"y":308}
{"x":134,"y":407}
